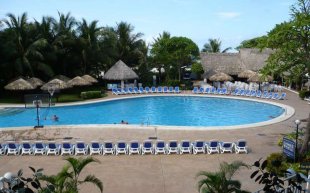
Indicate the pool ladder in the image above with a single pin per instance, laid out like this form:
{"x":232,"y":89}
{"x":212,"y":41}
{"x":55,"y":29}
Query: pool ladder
{"x":146,"y":122}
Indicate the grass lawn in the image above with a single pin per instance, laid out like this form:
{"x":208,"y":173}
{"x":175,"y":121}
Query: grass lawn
{"x":62,"y":98}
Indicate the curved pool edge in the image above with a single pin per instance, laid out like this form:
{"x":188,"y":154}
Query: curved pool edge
{"x":288,"y":112}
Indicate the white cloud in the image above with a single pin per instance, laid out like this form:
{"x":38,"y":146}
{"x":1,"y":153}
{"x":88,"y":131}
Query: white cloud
{"x":228,"y":15}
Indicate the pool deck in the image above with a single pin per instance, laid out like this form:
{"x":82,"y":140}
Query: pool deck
{"x":160,"y":173}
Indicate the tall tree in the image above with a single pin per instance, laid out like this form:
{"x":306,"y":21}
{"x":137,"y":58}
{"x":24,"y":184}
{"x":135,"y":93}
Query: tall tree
{"x":221,"y":181}
{"x":183,"y":51}
{"x":129,"y":45}
{"x":159,"y":52}
{"x":214,"y":46}
{"x":27,"y":50}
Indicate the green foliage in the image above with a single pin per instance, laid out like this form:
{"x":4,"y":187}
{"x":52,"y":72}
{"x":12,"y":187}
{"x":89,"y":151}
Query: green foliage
{"x":304,"y":93}
{"x":276,"y":163}
{"x":214,"y":46}
{"x":221,"y":181}
{"x":173,"y":83}
{"x":91,"y":94}
{"x":252,"y":43}
{"x":272,"y":181}
{"x":289,"y":136}
{"x":198,"y":69}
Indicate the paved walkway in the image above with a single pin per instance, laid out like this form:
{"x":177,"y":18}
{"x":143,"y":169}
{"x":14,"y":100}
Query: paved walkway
{"x":160,"y":173}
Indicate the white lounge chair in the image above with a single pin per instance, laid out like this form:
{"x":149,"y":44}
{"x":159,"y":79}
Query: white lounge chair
{"x":147,"y":89}
{"x":159,"y":89}
{"x":185,"y":147}
{"x":195,"y":90}
{"x":133,"y":147}
{"x":66,"y":148}
{"x":26,"y":148}
{"x":120,"y":148}
{"x":160,"y":147}
{"x":172,"y":147}
{"x":95,"y":148}
{"x":39,"y":148}
{"x":226,"y":147}
{"x":240,"y":146}
{"x":52,"y":148}
{"x":199,"y":147}
{"x":80,"y":148}
{"x":136,"y":90}
{"x":170,"y":90}
{"x":141,"y":90}
{"x":146,"y":147}
{"x":282,"y":96}
{"x":107,"y":148}
{"x":177,"y":89}
{"x":213,"y":147}
{"x":153,"y":89}
{"x":165,"y":89}
{"x":11,"y":148}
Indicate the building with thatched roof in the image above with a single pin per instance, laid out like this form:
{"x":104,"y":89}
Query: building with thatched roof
{"x":19,"y":84}
{"x":78,"y":81}
{"x":234,"y":63}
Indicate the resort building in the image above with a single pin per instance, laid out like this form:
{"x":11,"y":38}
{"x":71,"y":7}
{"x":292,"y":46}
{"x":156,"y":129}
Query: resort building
{"x":234,"y":63}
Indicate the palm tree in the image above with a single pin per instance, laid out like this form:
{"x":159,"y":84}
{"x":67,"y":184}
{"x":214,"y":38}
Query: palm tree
{"x":221,"y":181}
{"x":67,"y":180}
{"x":89,"y":41}
{"x":27,"y":50}
{"x":128,"y":44}
{"x":214,"y":46}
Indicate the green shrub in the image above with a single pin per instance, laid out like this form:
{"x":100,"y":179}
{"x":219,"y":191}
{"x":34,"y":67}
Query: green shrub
{"x":304,"y":93}
{"x":91,"y":94}
{"x":289,"y":136}
{"x":277,"y":163}
{"x":172,"y":83}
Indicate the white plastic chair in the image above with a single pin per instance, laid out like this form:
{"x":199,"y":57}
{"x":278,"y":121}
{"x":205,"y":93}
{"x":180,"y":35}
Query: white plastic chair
{"x":199,"y":147}
{"x":120,"y":148}
{"x":38,"y":148}
{"x":147,"y":147}
{"x":80,"y":148}
{"x":107,"y":148}
{"x":185,"y":147}
{"x":66,"y":148}
{"x":26,"y":148}
{"x":95,"y":148}
{"x":241,"y":146}
{"x":226,"y":147}
{"x":133,"y":147}
{"x":11,"y":148}
{"x":160,"y":147}
{"x":213,"y":147}
{"x":52,"y":148}
{"x":172,"y":147}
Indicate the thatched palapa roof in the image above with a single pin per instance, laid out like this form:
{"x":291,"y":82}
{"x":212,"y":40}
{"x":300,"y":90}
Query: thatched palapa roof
{"x":209,"y":73}
{"x":260,"y":78}
{"x":19,"y":84}
{"x":120,"y":71}
{"x":89,"y":78}
{"x":35,"y":82}
{"x":78,"y":81}
{"x":61,"y":77}
{"x":221,"y":76}
{"x":246,"y":74}
{"x":59,"y":84}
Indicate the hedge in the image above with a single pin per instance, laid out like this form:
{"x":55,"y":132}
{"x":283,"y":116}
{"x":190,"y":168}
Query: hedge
{"x":91,"y":94}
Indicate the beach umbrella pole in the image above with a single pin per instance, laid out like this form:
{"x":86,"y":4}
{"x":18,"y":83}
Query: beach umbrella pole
{"x":37,"y":104}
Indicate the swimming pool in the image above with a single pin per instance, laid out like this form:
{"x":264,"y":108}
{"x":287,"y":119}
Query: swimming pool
{"x":150,"y":110}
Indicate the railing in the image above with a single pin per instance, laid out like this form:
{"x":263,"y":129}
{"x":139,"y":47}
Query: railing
{"x":292,"y":189}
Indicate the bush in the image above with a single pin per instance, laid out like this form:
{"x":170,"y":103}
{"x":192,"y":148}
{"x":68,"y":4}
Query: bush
{"x":276,"y":163}
{"x":172,"y":83}
{"x":304,"y":93}
{"x":91,"y":94}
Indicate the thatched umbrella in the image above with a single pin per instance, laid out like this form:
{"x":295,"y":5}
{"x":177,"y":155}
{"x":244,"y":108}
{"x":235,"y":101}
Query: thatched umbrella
{"x":61,"y":77}
{"x":220,"y":77}
{"x":260,"y":78}
{"x":35,"y":82}
{"x":89,"y":78}
{"x":246,"y":74}
{"x":19,"y":84}
{"x":78,"y":81}
{"x":120,"y":71}
{"x":59,"y":84}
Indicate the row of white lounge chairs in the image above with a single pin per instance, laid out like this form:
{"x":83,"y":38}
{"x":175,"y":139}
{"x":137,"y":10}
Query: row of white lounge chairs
{"x":141,"y":90}
{"x":121,"y":147}
{"x":241,"y":92}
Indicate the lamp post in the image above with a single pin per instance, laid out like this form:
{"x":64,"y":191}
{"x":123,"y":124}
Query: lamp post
{"x":297,"y":122}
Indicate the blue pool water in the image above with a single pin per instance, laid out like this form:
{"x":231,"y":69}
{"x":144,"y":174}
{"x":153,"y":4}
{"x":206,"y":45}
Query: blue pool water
{"x":163,"y":110}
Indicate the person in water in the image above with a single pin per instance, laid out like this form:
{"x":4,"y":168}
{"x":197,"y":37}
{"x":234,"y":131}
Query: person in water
{"x":55,"y":118}
{"x":124,"y":122}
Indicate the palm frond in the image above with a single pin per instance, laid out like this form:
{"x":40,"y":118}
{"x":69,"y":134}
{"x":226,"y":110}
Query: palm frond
{"x":92,"y":179}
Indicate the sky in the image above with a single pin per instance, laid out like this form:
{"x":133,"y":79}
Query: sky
{"x":231,"y":21}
